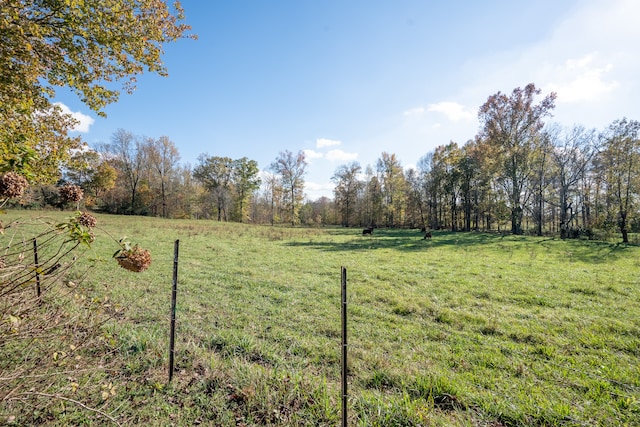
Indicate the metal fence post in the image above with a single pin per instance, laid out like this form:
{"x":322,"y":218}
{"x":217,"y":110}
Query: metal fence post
{"x":174,"y":294}
{"x":37,"y":266}
{"x":344,"y":345}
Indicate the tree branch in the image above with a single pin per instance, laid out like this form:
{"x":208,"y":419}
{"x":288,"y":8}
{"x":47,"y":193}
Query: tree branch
{"x":88,"y":408}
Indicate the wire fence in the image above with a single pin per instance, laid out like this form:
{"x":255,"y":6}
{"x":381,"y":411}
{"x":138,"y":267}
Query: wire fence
{"x":27,"y":279}
{"x":631,"y":389}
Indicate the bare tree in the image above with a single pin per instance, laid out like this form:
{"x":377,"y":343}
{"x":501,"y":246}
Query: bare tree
{"x":163,"y":158}
{"x":573,"y":151}
{"x":130,"y":159}
{"x":291,"y":169}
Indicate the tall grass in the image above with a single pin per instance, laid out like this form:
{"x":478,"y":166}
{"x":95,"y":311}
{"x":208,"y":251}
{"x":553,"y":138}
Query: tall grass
{"x":464,"y":329}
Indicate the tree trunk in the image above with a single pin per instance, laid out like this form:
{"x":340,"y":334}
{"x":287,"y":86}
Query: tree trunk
{"x":133,"y":200}
{"x":164,"y":201}
{"x":516,"y":220}
{"x":293,"y":207}
{"x":623,"y":227}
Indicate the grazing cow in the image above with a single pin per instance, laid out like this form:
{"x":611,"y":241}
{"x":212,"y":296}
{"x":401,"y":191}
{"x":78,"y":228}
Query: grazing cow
{"x":427,"y":235}
{"x":368,"y":230}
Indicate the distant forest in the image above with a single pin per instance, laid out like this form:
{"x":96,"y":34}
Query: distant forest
{"x":518,"y":175}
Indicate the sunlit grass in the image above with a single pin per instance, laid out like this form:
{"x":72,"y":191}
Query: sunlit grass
{"x":462,"y":329}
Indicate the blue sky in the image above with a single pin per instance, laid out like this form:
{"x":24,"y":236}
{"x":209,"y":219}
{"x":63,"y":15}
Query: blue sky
{"x":345,"y":80}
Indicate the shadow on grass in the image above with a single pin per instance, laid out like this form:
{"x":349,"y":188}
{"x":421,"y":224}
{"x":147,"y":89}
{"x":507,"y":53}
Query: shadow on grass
{"x":401,"y":240}
{"x":412,"y":241}
{"x":590,"y":251}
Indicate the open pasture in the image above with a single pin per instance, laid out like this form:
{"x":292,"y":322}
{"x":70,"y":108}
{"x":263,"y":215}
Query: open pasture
{"x":466,"y":329}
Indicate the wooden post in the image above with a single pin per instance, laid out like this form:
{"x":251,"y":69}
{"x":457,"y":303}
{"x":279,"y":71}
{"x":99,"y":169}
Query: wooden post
{"x":344,"y":346}
{"x":174,"y":294}
{"x":37,"y":266}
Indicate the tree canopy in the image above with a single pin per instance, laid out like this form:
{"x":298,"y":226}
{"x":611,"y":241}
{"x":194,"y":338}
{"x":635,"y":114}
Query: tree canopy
{"x":511,"y":124}
{"x":88,"y":46}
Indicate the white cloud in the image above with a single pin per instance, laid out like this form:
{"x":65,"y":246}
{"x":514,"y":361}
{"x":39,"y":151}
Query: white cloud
{"x":324,"y":142}
{"x":340,"y":156}
{"x":589,"y":58}
{"x":582,"y":80}
{"x":84,"y":121}
{"x":311,"y":154}
{"x":315,"y":190}
{"x":452,"y":110}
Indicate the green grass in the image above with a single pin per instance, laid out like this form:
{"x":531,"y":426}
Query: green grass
{"x":467,"y":329}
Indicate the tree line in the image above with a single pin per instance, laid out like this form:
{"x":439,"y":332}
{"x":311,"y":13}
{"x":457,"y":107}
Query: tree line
{"x":516,"y":175}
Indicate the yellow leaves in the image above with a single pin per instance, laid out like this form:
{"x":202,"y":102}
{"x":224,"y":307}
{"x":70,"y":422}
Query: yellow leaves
{"x":157,"y":386}
{"x":14,"y":323}
{"x":58,"y":357}
{"x":81,"y":44}
{"x":108,"y":390}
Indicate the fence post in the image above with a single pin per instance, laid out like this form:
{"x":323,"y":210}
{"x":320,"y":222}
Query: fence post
{"x":174,"y":294}
{"x":37,"y":266}
{"x":344,"y":345}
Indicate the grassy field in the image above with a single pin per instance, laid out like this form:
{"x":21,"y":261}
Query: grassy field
{"x":466,"y":329}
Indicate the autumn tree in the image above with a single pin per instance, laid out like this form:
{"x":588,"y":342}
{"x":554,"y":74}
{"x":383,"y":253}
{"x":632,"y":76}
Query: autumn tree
{"x":85,"y":46}
{"x":621,"y":158}
{"x":391,"y":178}
{"x":323,"y":211}
{"x":540,"y":179}
{"x":473,"y":183}
{"x":372,"y":203}
{"x":291,"y":169}
{"x":216,"y":173}
{"x":446,"y":160}
{"x":92,"y":47}
{"x":102,"y":179}
{"x":89,"y":169}
{"x":512,"y":125}
{"x":433,"y":179}
{"x":34,"y":144}
{"x":246,"y":180}
{"x":572,"y":154}
{"x":81,"y":164}
{"x":185,"y":200}
{"x":416,"y":212}
{"x":272,"y":196}
{"x":127,"y":155}
{"x":346,"y":190}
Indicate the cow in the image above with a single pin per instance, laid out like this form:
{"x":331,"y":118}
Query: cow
{"x":368,"y":230}
{"x":427,"y":235}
